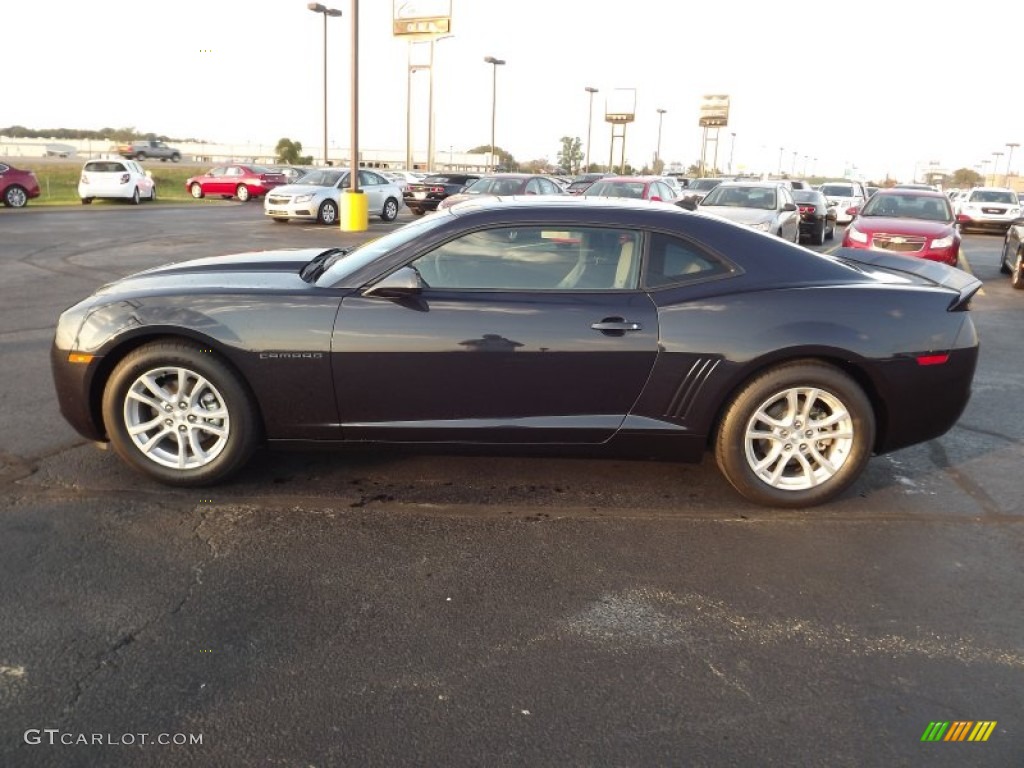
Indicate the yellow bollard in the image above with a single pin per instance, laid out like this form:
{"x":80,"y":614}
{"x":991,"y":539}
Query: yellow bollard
{"x":354,"y":215}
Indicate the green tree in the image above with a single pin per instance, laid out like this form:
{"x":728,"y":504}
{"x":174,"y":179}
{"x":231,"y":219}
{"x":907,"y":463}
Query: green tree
{"x":502,"y":159}
{"x":571,"y":154}
{"x":289,"y":152}
{"x":964,"y":178}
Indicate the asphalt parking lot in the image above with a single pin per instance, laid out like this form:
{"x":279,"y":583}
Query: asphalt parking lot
{"x":383,"y":608}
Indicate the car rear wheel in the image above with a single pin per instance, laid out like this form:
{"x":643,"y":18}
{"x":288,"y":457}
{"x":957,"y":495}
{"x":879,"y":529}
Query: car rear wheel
{"x":417,"y":211}
{"x":136,"y":197}
{"x":1017,"y":276}
{"x":15,"y":197}
{"x":86,"y":201}
{"x":1004,"y":260}
{"x":197,"y":190}
{"x":819,"y":239}
{"x":328,"y":213}
{"x":243,"y":193}
{"x":179,"y":414}
{"x":831,"y":232}
{"x":795,"y":436}
{"x":390,"y":210}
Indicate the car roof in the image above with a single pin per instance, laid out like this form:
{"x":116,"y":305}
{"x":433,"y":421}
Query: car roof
{"x":762,"y":184}
{"x":909,"y":192}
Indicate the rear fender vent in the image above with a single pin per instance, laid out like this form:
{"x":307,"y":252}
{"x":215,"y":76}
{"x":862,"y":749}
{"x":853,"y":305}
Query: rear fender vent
{"x":690,"y":386}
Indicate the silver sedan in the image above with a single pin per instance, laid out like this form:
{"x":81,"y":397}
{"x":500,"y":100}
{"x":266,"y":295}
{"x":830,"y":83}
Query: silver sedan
{"x":315,"y":197}
{"x":764,"y":206}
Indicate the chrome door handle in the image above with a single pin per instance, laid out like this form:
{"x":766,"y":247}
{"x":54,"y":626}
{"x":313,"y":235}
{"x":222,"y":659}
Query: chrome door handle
{"x":620,"y":325}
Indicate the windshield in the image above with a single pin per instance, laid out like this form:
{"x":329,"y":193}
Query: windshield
{"x":340,"y":266}
{"x":322,"y":178}
{"x":992,"y":196}
{"x":615,"y":189}
{"x":704,"y":184}
{"x":927,"y":207}
{"x":741,"y":197}
{"x":837,"y":190}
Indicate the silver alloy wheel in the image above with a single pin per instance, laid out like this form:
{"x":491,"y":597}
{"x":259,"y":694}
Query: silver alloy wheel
{"x":799,"y":438}
{"x":176,"y":418}
{"x":390,"y":210}
{"x":16,"y":197}
{"x":328,"y":213}
{"x":243,"y":193}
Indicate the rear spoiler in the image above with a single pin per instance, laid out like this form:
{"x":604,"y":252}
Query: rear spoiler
{"x":963,"y":283}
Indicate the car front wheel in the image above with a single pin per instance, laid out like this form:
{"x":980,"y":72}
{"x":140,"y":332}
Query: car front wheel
{"x":243,"y":193}
{"x":796,"y":435}
{"x":1004,"y":259}
{"x":390,"y":210}
{"x":197,"y":190}
{"x":179,"y":414}
{"x":328,"y":213}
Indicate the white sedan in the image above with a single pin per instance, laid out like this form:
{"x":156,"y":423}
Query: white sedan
{"x":317,"y":197}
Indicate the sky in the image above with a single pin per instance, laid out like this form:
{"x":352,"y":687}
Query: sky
{"x":868,"y":88}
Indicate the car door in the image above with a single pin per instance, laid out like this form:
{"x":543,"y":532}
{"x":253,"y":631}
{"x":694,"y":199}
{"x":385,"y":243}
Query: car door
{"x":373,"y":187}
{"x":517,"y":335}
{"x":790,"y":219}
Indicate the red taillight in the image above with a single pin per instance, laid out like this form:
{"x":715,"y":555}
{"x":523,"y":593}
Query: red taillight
{"x":125,"y":178}
{"x":932,"y":359}
{"x":437,"y":190}
{"x":806,"y":209}
{"x":655,"y":198}
{"x":84,"y":179}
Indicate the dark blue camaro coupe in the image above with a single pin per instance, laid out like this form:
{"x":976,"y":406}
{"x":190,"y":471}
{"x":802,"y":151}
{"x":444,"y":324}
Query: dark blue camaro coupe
{"x":568,"y":325}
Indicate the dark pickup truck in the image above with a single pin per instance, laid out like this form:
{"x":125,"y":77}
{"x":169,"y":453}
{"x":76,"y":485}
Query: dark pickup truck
{"x":423,"y":197}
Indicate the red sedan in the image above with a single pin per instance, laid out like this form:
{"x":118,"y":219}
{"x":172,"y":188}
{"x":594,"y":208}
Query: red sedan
{"x":242,"y":181}
{"x":912,"y":222}
{"x":17,"y":187}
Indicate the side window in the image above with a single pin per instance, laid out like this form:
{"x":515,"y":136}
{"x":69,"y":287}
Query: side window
{"x":535,"y":259}
{"x":533,"y":187}
{"x":216,"y":172}
{"x":367,"y":179}
{"x":671,"y":261}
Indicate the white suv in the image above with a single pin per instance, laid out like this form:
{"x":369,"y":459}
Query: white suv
{"x":988,"y":208}
{"x":121,"y":178}
{"x":844,"y":195}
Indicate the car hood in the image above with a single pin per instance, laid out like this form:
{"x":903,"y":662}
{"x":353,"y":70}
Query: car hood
{"x":243,"y":272}
{"x":903,"y":226}
{"x":748,"y":216}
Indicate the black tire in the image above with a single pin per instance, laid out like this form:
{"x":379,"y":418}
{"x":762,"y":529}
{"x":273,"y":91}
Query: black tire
{"x":231,"y":438}
{"x":819,"y":239}
{"x":278,"y":221}
{"x":242,"y":193}
{"x":831,"y":235}
{"x":152,"y":194}
{"x":846,"y":443}
{"x":136,"y":197}
{"x":390,"y":210}
{"x":175,"y":158}
{"x":140,"y":156}
{"x":417,"y":211}
{"x":163,"y":159}
{"x":328,"y":212}
{"x":1017,"y":275}
{"x":1004,"y":260}
{"x":196,"y":189}
{"x":15,"y":196}
{"x":86,"y":201}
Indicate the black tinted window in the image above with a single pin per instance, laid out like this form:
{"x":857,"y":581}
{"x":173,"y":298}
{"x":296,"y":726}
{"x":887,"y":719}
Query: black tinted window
{"x":672,"y":260}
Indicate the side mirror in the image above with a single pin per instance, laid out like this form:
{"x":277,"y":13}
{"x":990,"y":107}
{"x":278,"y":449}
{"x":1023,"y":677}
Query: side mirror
{"x":400,"y":283}
{"x":789,"y":207}
{"x":853,"y":210}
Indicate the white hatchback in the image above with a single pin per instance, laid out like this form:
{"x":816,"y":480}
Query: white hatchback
{"x":844,"y":195}
{"x":121,"y":178}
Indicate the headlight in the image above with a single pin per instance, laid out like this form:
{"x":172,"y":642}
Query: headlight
{"x":943,"y":242}
{"x":303,"y":198}
{"x":1015,"y":212}
{"x":856,"y":235}
{"x":763,"y":226}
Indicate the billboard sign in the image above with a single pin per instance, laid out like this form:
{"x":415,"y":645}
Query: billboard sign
{"x":714,"y":111}
{"x":422,"y":18}
{"x":620,"y":106}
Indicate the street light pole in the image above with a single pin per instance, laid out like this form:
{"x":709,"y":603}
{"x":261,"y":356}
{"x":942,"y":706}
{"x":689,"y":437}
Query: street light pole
{"x":1009,"y":159}
{"x":590,"y":122}
{"x":494,"y":99}
{"x":781,"y":150}
{"x":657,"y":152}
{"x":732,"y":149}
{"x":318,"y":8}
{"x":995,"y":167}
